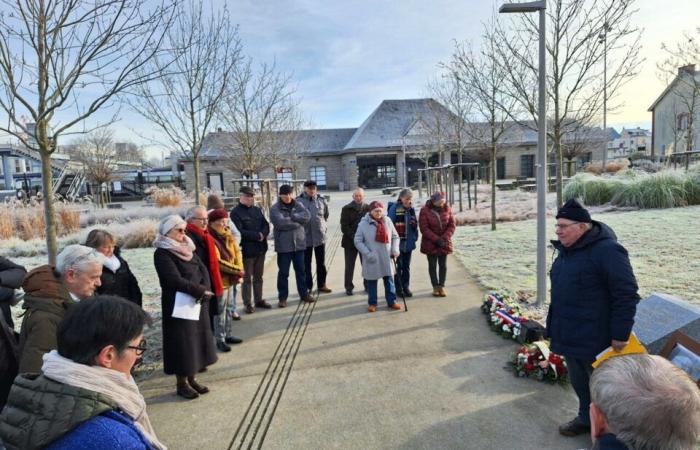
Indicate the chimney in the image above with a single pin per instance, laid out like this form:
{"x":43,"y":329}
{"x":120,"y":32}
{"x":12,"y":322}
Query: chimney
{"x":690,"y":68}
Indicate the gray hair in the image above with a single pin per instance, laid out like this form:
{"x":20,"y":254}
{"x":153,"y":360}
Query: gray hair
{"x":359,"y":189}
{"x":406,"y":193}
{"x":191,"y":212}
{"x":648,"y":402}
{"x":78,"y":257}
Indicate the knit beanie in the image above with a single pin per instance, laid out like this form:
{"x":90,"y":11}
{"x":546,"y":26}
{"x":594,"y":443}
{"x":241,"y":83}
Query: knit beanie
{"x":572,"y":210}
{"x":376,"y":205}
{"x":217,"y":214}
{"x":286,"y":189}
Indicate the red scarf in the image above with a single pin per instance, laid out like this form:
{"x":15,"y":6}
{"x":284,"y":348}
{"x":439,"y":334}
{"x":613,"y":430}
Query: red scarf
{"x":213,"y":263}
{"x":381,"y":235}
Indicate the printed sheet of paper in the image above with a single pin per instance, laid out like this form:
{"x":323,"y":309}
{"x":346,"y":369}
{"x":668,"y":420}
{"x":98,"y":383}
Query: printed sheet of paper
{"x":186,"y":307}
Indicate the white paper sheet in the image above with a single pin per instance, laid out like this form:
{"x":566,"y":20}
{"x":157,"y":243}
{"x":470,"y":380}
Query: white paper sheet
{"x":186,"y":307}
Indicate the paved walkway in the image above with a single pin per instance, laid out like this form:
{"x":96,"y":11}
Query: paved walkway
{"x":330,"y":375}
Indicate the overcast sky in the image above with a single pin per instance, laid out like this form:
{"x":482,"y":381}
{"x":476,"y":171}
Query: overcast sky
{"x":346,"y":57}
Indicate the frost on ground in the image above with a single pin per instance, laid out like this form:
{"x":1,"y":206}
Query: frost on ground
{"x":662,"y":244}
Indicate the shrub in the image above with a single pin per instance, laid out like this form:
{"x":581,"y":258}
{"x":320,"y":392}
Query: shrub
{"x":591,"y":189}
{"x":137,"y":234}
{"x":67,"y":220}
{"x":661,"y":190}
{"x":161,"y":197}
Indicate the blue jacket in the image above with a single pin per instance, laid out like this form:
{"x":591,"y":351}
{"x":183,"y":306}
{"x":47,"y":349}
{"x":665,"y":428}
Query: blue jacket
{"x":110,"y":430}
{"x":594,"y":295}
{"x":609,"y":442}
{"x":395,"y":212}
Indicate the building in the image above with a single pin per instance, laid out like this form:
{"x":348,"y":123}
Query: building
{"x":398,"y":138}
{"x":676,"y":113}
{"x":628,"y":141}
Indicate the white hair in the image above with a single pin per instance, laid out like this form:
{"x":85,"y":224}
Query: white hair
{"x":79,"y":258}
{"x":358,"y":190}
{"x":648,"y":402}
{"x":191,"y":212}
{"x":406,"y":193}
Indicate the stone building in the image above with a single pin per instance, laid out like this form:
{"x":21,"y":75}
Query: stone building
{"x":399,"y":137}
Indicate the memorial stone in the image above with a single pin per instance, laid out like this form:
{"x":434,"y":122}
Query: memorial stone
{"x":659,"y":315}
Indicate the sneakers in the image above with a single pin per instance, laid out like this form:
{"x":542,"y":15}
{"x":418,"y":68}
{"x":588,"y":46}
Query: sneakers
{"x":233,"y":340}
{"x":442,"y":291}
{"x":436,"y":292}
{"x":371,"y":308}
{"x":324,"y":289}
{"x":308,"y":299}
{"x":574,"y":428}
{"x":223,"y":347}
{"x":263,"y":304}
{"x":395,"y":307}
{"x":282,"y":304}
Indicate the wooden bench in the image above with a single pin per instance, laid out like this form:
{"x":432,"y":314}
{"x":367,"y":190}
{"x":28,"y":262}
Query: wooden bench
{"x":529,"y":187}
{"x":391,"y":190}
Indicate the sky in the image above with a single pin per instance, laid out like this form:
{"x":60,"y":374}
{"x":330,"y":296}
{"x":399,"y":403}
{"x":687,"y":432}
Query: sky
{"x":346,"y":57}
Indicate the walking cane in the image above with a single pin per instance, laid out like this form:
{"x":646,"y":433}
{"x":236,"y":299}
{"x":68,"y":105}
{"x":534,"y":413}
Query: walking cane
{"x":403,"y":295}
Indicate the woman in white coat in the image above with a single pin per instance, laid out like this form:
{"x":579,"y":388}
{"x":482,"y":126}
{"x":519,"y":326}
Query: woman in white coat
{"x":378,"y":242}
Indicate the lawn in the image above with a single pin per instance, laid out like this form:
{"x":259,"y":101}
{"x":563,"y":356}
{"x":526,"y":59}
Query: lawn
{"x":663,"y":245}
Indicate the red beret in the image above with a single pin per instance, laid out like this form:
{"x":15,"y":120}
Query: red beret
{"x":216,"y":214}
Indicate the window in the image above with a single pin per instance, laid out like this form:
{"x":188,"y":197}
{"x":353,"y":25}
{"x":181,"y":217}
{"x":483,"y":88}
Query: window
{"x":285,"y":173}
{"x":682,"y":121}
{"x":501,"y":168}
{"x":388,"y":174}
{"x":527,"y":166}
{"x":318,"y":174}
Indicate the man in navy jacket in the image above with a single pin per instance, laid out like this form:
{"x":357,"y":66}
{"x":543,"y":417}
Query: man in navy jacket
{"x":594,"y":300}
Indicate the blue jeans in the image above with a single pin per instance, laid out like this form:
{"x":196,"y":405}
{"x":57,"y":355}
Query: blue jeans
{"x":403,"y":271}
{"x":223,"y":323}
{"x":389,"y":291}
{"x":284,"y":260}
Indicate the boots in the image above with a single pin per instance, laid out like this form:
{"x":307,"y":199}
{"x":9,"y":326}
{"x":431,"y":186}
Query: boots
{"x":443,"y":293}
{"x":184,"y":390}
{"x":436,"y":291}
{"x":196,"y":386}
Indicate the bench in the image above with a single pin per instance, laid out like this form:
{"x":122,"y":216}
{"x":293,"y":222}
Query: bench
{"x":391,"y":190}
{"x":529,"y":187}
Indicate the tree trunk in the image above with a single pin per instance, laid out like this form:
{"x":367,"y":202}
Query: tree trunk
{"x":49,"y":209}
{"x":560,"y":170}
{"x":459,"y":175}
{"x":195,"y":161}
{"x":493,"y":186}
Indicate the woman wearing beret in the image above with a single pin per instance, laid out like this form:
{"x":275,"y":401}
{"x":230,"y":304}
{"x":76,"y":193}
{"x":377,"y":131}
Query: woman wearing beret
{"x":437,"y":224}
{"x":188,"y":345}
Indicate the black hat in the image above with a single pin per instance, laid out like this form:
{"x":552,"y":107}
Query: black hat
{"x":573,"y":210}
{"x":310,"y":183}
{"x":247,"y":190}
{"x":286,"y":189}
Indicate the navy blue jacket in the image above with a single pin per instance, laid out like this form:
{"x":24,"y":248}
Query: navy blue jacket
{"x":410,"y":224}
{"x":110,"y":430}
{"x":609,"y":442}
{"x":594,"y":295}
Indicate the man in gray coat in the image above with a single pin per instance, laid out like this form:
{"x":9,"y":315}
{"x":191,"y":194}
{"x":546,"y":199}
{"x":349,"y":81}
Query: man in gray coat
{"x":288,"y":218}
{"x":316,"y":229}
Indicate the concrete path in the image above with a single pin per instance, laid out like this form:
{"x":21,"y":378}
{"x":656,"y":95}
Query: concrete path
{"x":330,"y":375}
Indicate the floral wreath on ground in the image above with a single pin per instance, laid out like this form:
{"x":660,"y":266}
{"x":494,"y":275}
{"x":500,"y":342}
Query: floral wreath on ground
{"x":532,"y":360}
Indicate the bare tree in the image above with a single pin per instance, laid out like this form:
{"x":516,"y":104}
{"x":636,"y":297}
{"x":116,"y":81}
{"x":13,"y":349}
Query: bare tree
{"x":480,"y":76}
{"x":678,"y":67}
{"x":64,"y":60}
{"x":98,"y":156}
{"x":183,"y":104}
{"x":259,"y":104}
{"x":575,"y":56}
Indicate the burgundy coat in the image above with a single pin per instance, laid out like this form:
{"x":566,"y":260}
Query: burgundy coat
{"x":436,"y":224}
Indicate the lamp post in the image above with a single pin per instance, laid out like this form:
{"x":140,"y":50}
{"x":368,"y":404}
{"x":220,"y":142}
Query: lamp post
{"x":603,"y":39}
{"x":539,"y":6}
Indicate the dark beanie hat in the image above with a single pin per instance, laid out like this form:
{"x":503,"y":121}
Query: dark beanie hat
{"x":247,"y":190}
{"x":217,"y":214}
{"x":573,"y":210}
{"x":286,"y":189}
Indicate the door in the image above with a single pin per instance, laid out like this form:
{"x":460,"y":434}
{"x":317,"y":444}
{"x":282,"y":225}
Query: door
{"x":215,"y":182}
{"x":318,"y":174}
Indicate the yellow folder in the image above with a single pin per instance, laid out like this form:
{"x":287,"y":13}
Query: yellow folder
{"x":633,"y":347}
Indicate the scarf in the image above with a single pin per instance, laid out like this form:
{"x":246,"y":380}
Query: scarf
{"x":222,"y":242}
{"x":116,"y":386}
{"x":113,"y":263}
{"x":382,"y":236}
{"x":183,"y":250}
{"x":213,"y":263}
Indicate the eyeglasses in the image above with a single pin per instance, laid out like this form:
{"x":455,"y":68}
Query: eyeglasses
{"x":561,"y":226}
{"x":203,"y":219}
{"x":141,"y":348}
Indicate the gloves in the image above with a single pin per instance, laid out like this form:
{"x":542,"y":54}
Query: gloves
{"x":371,"y":258}
{"x":440,"y":243}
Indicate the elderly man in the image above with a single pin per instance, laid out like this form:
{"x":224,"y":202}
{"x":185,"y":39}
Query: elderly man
{"x":594,"y":300}
{"x":49,"y":292}
{"x":315,"y":235}
{"x":288,"y":218}
{"x":254,"y":228}
{"x":197,"y":220}
{"x":643,"y":401}
{"x":403,"y":215}
{"x":350,"y":217}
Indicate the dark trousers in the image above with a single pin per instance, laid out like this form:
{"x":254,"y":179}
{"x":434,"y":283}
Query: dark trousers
{"x":403,"y":271}
{"x":321,"y":272}
{"x":351,"y":255}
{"x":284,"y":260}
{"x":580,"y":371}
{"x":437,"y":269}
{"x":253,"y":268}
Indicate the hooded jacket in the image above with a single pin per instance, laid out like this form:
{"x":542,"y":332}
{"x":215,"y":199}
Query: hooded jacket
{"x":288,"y":222}
{"x":317,"y":225}
{"x":436,"y":223}
{"x":594,"y":295}
{"x":46,"y":300}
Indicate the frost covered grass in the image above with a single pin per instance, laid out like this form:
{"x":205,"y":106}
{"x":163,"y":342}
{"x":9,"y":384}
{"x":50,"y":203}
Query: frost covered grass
{"x":663,"y":248}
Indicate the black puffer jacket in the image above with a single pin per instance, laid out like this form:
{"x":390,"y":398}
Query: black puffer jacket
{"x":594,"y":295}
{"x":40,"y":410}
{"x":122,"y":282}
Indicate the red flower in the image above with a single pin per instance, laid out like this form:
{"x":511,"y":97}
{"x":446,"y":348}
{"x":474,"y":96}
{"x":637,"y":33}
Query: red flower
{"x":529,"y":367}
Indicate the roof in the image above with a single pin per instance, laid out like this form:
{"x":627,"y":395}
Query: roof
{"x":672,"y":84}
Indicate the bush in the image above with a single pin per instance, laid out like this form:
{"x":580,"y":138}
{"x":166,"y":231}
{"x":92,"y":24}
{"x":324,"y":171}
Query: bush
{"x":591,"y":189}
{"x":162,"y":197}
{"x":137,"y":234}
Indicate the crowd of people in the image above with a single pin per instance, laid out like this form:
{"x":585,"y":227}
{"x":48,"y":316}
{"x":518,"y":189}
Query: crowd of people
{"x":82,"y":330}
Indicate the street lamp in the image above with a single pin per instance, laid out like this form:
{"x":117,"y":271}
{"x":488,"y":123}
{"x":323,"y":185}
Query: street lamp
{"x":603,"y":39}
{"x":539,"y":6}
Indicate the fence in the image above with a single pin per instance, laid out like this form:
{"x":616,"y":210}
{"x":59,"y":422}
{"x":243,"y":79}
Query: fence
{"x":443,"y":179}
{"x":267,"y":189}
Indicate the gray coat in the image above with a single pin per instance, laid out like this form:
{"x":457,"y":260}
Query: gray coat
{"x":376,"y":256}
{"x":317,"y":225}
{"x":288,"y":222}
